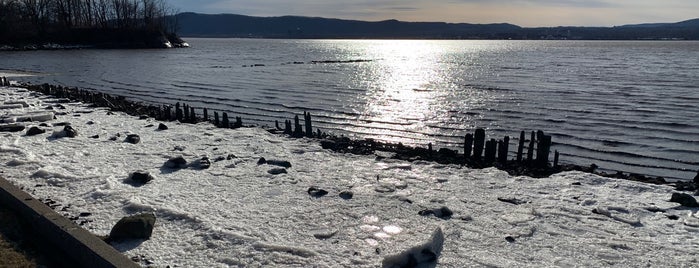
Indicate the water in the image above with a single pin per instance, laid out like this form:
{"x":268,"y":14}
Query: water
{"x":627,"y":106}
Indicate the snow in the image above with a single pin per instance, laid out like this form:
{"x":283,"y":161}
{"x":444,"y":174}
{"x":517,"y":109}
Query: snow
{"x":235,"y":213}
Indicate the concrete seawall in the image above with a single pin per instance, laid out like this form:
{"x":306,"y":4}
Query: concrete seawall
{"x":56,"y":233}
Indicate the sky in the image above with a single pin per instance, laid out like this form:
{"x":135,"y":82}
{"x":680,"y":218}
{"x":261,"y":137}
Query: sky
{"x":528,"y":13}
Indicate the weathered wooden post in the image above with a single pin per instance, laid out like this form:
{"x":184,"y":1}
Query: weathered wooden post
{"x":530,"y":150}
{"x":308,"y":124}
{"x":543,"y":150}
{"x":429,"y":147}
{"x":503,"y":149}
{"x":555,"y":159}
{"x":490,"y":151}
{"x":216,"y":121}
{"x":206,"y":115}
{"x":238,"y":122}
{"x":178,"y":112}
{"x":298,"y":131}
{"x":478,"y":143}
{"x":520,"y":148}
{"x":224,"y":122}
{"x":192,"y":115}
{"x":276,"y":125}
{"x":287,"y":127}
{"x":468,"y":145}
{"x":186,"y":113}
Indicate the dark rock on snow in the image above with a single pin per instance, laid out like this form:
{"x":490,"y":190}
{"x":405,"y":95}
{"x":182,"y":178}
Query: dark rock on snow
{"x":95,"y":137}
{"x":162,"y":126}
{"x":512,"y":200}
{"x":33,"y":131}
{"x":176,"y":162}
{"x":11,"y":128}
{"x":346,"y":195}
{"x":277,"y":171}
{"x":442,"y":213}
{"x":684,"y":200}
{"x":203,"y":163}
{"x":281,"y":163}
{"x":133,"y":138}
{"x":70,"y":132}
{"x":316,"y":192}
{"x":133,"y":227}
{"x":140,"y":177}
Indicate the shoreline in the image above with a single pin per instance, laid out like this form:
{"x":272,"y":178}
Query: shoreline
{"x":341,"y":144}
{"x":238,"y":213}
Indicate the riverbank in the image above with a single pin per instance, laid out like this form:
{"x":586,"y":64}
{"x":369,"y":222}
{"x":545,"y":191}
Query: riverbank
{"x":305,"y":205}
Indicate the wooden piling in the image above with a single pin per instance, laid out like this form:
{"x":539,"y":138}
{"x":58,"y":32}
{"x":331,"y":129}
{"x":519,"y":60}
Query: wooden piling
{"x":178,"y":112}
{"x":490,"y":151}
{"x":308,"y":124}
{"x":530,"y":150}
{"x":503,"y":148}
{"x":468,"y":145}
{"x":429,"y":147}
{"x":206,"y":115}
{"x":555,"y":159}
{"x":224,"y":122}
{"x":186,"y":113}
{"x":287,"y":127}
{"x":520,"y":148}
{"x":192,"y":115}
{"x":238,"y":122}
{"x":298,"y":130}
{"x":216,"y":121}
{"x":478,"y":143}
{"x":543,"y":150}
{"x":276,"y":125}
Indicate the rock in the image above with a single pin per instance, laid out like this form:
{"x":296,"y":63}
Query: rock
{"x":140,"y":178}
{"x":219,"y":159}
{"x":162,"y":126}
{"x":204,"y":163}
{"x":176,"y":163}
{"x":261,"y":161}
{"x":442,"y":213}
{"x":281,"y":163}
{"x":424,"y":255}
{"x":277,"y":171}
{"x":11,"y":128}
{"x":33,"y":131}
{"x":326,"y":234}
{"x":95,"y":137}
{"x":512,"y":200}
{"x":316,"y":192}
{"x":133,"y":227}
{"x":70,"y":132}
{"x":684,"y":200}
{"x":231,"y":157}
{"x":510,"y":239}
{"x":133,"y":139}
{"x":577,"y":183}
{"x":346,"y":195}
{"x":90,"y":122}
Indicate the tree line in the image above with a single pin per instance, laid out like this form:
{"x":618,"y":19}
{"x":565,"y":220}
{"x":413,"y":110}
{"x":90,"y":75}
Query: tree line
{"x":47,"y":20}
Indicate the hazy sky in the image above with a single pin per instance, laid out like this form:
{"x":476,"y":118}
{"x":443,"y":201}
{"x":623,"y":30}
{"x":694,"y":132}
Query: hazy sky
{"x":520,"y":12}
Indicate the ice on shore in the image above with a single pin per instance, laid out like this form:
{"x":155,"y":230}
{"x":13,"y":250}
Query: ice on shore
{"x":235,"y":213}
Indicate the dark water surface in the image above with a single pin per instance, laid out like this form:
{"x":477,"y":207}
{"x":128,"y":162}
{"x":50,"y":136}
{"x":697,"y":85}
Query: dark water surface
{"x":628,"y":106}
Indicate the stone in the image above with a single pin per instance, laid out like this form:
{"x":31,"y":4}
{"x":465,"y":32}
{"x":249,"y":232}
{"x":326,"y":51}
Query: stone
{"x":346,"y":195}
{"x":133,"y":139}
{"x":280,"y":163}
{"x":316,"y":192}
{"x":133,"y":227}
{"x":277,"y":171}
{"x":143,"y":117}
{"x":95,"y":137}
{"x":261,"y":161}
{"x":70,"y":132}
{"x":684,"y":200}
{"x":140,"y":177}
{"x":442,"y":213}
{"x":33,"y":131}
{"x":204,"y":163}
{"x":176,"y":163}
{"x":11,"y":128}
{"x":162,"y":126}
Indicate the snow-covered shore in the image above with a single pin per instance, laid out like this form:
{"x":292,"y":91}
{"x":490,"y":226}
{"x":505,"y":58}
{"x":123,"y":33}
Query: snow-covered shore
{"x":236,"y":213}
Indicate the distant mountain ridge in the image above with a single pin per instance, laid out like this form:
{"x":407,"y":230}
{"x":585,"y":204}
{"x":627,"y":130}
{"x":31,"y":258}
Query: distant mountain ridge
{"x":232,"y":25}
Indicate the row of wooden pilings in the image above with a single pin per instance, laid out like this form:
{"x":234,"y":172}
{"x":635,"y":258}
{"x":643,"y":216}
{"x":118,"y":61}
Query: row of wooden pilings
{"x":4,"y":82}
{"x":480,"y":150}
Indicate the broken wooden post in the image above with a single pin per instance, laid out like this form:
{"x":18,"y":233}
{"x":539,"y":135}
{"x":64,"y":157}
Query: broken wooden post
{"x":555,"y":159}
{"x":178,"y":112}
{"x":287,"y":127}
{"x":298,"y":131}
{"x":520,"y":148}
{"x":224,"y":122}
{"x":307,"y":122}
{"x":276,"y":125}
{"x":478,"y":143}
{"x":238,"y":122}
{"x":468,"y":145}
{"x":530,"y":150}
{"x":503,"y":148}
{"x":192,"y":115}
{"x":543,"y":149}
{"x":186,"y":113}
{"x":206,"y":115}
{"x":216,"y":121}
{"x":490,"y":151}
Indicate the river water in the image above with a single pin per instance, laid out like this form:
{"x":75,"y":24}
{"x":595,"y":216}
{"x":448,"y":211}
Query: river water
{"x":629,"y":106}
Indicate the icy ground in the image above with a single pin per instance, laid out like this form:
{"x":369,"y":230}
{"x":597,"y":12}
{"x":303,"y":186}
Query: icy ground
{"x":236,"y":213}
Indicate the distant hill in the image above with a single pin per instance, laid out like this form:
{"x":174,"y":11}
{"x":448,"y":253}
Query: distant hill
{"x":231,"y":25}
